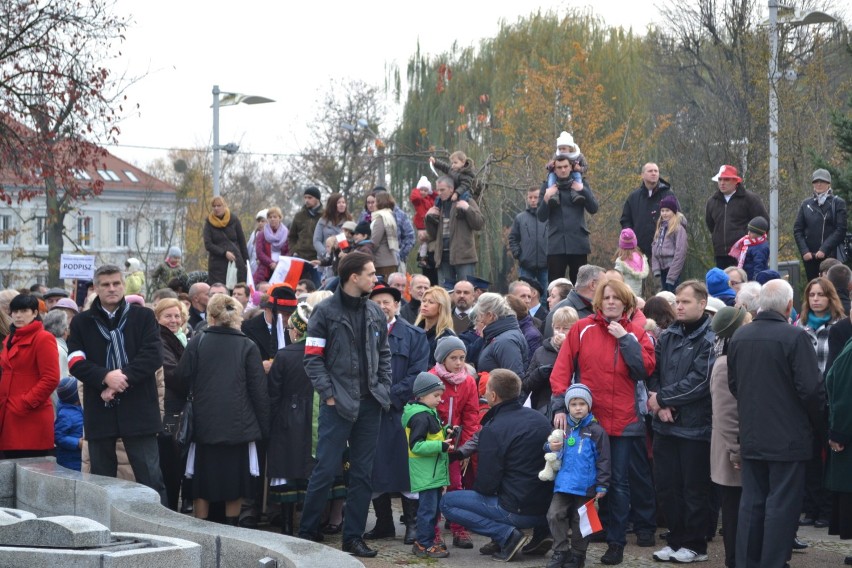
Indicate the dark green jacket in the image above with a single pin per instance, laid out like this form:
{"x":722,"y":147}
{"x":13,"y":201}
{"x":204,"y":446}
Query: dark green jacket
{"x":838,"y":476}
{"x":428,"y":464}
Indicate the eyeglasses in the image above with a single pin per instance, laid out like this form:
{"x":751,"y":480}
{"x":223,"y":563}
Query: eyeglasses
{"x":734,"y":282}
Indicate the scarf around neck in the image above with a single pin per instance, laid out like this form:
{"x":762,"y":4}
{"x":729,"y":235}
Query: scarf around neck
{"x":277,"y":239}
{"x":452,"y":378}
{"x":740,"y":248}
{"x":820,"y":198}
{"x":815,"y":322}
{"x":220,"y":223}
{"x":386,"y":215}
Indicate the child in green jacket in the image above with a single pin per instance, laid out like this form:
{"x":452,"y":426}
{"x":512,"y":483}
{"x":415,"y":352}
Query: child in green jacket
{"x":428,"y":464}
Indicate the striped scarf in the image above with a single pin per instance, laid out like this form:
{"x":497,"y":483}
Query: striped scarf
{"x":116,"y":354}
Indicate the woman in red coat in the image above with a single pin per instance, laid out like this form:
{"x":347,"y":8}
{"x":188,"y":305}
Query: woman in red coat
{"x":30,"y":373}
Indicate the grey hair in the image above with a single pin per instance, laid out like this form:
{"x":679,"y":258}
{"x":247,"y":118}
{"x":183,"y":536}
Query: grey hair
{"x":586,"y":274}
{"x":749,"y":296}
{"x":742,"y":273}
{"x":56,"y":322}
{"x":446,"y":180}
{"x":775,"y":296}
{"x":514,"y":285}
{"x":491,"y":303}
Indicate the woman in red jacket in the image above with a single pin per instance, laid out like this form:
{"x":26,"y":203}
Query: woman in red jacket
{"x":30,"y":373}
{"x":610,"y":352}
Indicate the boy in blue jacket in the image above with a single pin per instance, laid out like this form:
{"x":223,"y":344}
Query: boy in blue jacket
{"x":584,"y":474}
{"x":68,"y":428}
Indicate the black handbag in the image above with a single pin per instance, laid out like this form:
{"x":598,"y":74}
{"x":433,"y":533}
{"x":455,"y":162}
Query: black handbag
{"x":184,"y":432}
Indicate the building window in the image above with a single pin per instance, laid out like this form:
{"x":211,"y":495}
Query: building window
{"x":84,"y":231}
{"x":41,"y":231}
{"x":161,"y":234}
{"x":5,"y":229}
{"x":108,"y":175}
{"x":81,"y":174}
{"x":131,"y":176}
{"x":122,"y":232}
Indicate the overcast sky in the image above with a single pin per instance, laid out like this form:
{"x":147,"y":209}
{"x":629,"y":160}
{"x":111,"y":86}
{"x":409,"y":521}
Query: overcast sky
{"x":292,"y":53}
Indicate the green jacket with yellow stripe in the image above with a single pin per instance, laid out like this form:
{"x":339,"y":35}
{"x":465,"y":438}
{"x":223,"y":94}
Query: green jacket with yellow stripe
{"x":428,"y":464}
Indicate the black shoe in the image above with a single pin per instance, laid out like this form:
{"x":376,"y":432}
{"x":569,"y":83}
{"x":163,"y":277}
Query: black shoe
{"x":848,"y":560}
{"x":313,"y":537}
{"x":186,"y":506}
{"x":234,"y":521}
{"x":489,"y":548}
{"x":516,"y":541}
{"x":538,"y":546}
{"x":645,"y":539}
{"x":799,"y":544}
{"x":357,"y":547}
{"x":248,"y":522}
{"x":559,"y":559}
{"x":332,"y":529}
{"x":380,"y":532}
{"x":820,"y":523}
{"x":614,"y":554}
{"x":806,"y":522}
{"x":599,"y":536}
{"x":665,"y":535}
{"x":410,"y":534}
{"x":575,"y":562}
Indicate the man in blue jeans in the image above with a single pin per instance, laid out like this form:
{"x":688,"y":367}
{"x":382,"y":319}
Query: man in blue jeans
{"x":348,"y":360}
{"x":508,"y":494}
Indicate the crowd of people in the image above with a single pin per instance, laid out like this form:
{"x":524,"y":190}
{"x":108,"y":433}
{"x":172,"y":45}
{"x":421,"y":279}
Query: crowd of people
{"x":661,"y":401}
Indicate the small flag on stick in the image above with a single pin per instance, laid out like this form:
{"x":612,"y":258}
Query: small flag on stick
{"x":590,"y":523}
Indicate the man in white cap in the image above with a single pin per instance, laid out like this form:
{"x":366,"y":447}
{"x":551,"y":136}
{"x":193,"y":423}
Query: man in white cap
{"x":728,"y":212}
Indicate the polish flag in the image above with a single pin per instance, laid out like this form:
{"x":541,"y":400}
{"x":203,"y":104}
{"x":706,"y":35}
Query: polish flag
{"x":249,"y":279}
{"x":315,"y":346}
{"x":342,"y":241}
{"x":75,"y":357}
{"x":289,"y":271}
{"x":590,"y":523}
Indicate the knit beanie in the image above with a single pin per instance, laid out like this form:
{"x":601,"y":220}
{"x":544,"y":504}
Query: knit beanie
{"x":578,"y":390}
{"x":717,"y":282}
{"x":424,"y":183}
{"x":363,"y":228}
{"x":627,"y":239}
{"x":765,"y":276}
{"x":426,"y":383}
{"x":727,"y":320}
{"x":758,"y":225}
{"x":174,"y":252}
{"x":313,"y":192}
{"x":447,"y":345}
{"x":564,"y":139}
{"x":67,"y":390}
{"x":670,"y":202}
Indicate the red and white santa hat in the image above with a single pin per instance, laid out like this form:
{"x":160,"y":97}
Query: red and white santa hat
{"x":727,"y":172}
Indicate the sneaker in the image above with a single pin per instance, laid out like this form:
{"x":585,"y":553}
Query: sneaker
{"x":489,"y":548}
{"x":614,"y":555}
{"x":538,"y":546}
{"x":462,"y":539}
{"x":664,"y":554}
{"x":685,"y":556}
{"x":512,"y":546}
{"x":821,"y":523}
{"x":432,"y":552}
{"x":645,"y":539}
{"x":806,"y":521}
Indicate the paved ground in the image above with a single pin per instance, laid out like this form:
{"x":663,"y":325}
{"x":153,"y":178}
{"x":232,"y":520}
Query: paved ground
{"x":824,"y":551}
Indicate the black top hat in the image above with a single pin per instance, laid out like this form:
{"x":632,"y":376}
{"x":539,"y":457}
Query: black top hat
{"x":282,"y":299}
{"x":383,"y":289}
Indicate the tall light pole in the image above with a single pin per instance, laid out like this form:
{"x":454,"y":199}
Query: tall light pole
{"x":227,"y":99}
{"x":774,"y":75}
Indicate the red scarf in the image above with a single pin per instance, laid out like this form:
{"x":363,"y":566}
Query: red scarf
{"x":740,"y":248}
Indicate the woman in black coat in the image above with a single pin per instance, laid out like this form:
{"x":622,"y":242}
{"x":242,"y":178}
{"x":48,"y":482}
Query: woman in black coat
{"x":820,"y":225}
{"x":171,"y":314}
{"x":223,"y":370}
{"x":294,"y":404}
{"x":225,"y":242}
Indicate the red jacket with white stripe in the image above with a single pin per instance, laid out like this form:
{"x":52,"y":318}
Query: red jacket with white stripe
{"x":610,"y":368}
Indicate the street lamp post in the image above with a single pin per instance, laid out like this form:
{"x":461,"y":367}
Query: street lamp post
{"x":810,"y":18}
{"x":227,"y":99}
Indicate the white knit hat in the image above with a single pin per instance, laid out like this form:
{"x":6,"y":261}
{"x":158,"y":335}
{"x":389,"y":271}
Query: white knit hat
{"x":564,"y":139}
{"x":425,"y":184}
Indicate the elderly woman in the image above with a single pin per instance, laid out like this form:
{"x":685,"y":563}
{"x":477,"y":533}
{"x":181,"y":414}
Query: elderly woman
{"x":30,"y":373}
{"x":225,"y":242}
{"x":536,"y":382}
{"x":384,"y":234}
{"x":222,"y":370}
{"x":610,"y":352}
{"x":505,"y":344}
{"x":270,"y":242}
{"x":294,"y":406}
{"x":820,"y":225}
{"x":171,"y":314}
{"x":435,"y":317}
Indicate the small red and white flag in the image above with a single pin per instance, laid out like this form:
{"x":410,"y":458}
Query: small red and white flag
{"x":75,"y":357}
{"x":289,"y":271}
{"x":342,"y":241}
{"x":590,"y":523}
{"x":315,"y":346}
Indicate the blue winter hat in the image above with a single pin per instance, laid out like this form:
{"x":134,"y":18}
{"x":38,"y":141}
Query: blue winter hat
{"x":717,"y":283}
{"x":67,"y":390}
{"x":765,"y":276}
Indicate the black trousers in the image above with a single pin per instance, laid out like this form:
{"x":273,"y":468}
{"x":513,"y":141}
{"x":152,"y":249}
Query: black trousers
{"x":143,"y":454}
{"x":558,"y":264}
{"x":730,"y":497}
{"x":812,"y":268}
{"x":769,"y":512}
{"x":682,"y":477}
{"x":725,"y":261}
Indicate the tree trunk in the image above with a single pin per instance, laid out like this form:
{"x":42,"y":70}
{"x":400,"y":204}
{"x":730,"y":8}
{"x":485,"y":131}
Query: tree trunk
{"x":55,"y":239}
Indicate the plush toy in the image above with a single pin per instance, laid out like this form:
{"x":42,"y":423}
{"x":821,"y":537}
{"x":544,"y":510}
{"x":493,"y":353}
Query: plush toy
{"x":552,"y":463}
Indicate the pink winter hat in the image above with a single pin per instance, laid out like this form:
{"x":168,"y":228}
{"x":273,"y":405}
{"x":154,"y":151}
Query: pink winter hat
{"x":627,"y":239}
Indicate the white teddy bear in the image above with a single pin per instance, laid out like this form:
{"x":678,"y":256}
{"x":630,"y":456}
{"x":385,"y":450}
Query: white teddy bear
{"x":552,"y":463}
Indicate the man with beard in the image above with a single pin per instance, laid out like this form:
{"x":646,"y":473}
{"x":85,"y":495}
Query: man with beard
{"x":463,"y":300}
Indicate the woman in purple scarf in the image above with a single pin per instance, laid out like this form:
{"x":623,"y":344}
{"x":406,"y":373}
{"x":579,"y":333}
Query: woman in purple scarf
{"x":270,"y":245}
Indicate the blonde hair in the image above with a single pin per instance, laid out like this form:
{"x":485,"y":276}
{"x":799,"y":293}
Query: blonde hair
{"x":445,"y":309}
{"x":274,"y":211}
{"x":225,"y":311}
{"x":165,"y":303}
{"x":675,"y":222}
{"x":315,"y":298}
{"x":459,"y":155}
{"x":218,"y":200}
{"x":565,"y":315}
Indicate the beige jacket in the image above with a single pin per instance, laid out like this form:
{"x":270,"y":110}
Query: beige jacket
{"x":463,"y":227}
{"x":724,"y":440}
